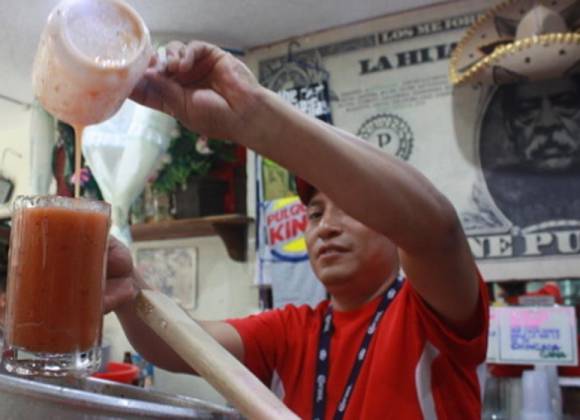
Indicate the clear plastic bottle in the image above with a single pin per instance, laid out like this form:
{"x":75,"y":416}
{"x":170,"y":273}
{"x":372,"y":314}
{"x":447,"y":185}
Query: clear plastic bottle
{"x":495,"y":404}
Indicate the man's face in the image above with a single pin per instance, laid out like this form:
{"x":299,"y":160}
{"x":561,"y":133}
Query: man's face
{"x":546,"y":124}
{"x":341,"y":249}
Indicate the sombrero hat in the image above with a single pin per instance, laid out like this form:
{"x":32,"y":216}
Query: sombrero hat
{"x":518,"y":41}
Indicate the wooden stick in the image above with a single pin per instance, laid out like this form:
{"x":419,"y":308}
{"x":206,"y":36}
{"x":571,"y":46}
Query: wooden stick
{"x":208,"y":358}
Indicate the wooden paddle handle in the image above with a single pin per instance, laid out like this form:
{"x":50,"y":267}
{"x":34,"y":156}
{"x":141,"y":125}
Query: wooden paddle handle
{"x":209,"y":359}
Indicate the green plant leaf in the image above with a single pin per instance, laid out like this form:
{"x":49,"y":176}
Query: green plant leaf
{"x":187,"y":162}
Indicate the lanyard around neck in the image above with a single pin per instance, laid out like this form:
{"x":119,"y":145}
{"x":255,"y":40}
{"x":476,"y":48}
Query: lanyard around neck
{"x":323,"y":356}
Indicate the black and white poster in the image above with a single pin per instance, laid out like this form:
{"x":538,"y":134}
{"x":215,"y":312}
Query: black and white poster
{"x":524,"y":214}
{"x":507,"y":158}
{"x":311,"y":99}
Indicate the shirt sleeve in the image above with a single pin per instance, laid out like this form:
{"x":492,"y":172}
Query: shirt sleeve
{"x":264,"y":340}
{"x":466,"y":350}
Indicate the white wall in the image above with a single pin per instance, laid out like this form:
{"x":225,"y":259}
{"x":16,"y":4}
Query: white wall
{"x":225,"y":287}
{"x":225,"y":290}
{"x":14,"y":135}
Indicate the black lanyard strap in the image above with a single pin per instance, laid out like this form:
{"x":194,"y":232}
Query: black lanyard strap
{"x":323,"y":356}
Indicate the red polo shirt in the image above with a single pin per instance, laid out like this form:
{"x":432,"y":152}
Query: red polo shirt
{"x":416,"y":367}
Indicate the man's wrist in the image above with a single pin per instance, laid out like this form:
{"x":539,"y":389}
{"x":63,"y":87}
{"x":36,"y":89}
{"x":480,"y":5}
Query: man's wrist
{"x":256,"y":121}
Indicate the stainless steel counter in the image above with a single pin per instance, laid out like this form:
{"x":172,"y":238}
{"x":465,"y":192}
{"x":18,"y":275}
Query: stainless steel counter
{"x":93,"y":398}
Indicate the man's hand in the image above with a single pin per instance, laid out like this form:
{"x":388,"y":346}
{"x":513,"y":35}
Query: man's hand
{"x":122,"y":284}
{"x":207,"y":89}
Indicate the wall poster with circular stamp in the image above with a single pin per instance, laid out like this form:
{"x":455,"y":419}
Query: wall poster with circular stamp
{"x":390,"y":133}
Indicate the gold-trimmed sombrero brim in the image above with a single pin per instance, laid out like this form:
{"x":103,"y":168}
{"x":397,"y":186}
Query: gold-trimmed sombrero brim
{"x":534,"y":58}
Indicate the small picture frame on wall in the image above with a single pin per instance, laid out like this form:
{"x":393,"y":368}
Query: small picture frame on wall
{"x":169,"y":266}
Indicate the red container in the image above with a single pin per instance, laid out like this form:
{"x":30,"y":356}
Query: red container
{"x":119,"y":372}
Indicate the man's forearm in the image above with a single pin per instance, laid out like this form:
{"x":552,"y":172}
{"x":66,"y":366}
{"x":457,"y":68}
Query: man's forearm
{"x":155,"y":350}
{"x":379,"y":190}
{"x":147,"y":343}
{"x":384,"y":192}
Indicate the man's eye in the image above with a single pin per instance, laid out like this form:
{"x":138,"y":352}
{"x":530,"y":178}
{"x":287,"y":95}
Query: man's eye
{"x":527,"y":115}
{"x":525,"y":108}
{"x":566,"y":103}
{"x":314,"y":215}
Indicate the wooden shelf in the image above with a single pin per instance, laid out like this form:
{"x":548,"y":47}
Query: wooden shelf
{"x":232,"y":228}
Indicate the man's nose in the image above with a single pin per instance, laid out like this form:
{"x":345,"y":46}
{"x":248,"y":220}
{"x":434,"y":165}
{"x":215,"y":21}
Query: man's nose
{"x":548,"y":118}
{"x":330,"y":224}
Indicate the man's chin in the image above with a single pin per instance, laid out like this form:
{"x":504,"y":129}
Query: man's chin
{"x":332,"y":280}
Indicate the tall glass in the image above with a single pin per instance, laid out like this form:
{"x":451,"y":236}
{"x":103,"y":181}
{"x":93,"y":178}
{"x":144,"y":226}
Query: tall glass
{"x":56,"y":277}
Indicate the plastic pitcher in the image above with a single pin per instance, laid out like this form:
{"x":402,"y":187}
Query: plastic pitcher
{"x":91,"y":55}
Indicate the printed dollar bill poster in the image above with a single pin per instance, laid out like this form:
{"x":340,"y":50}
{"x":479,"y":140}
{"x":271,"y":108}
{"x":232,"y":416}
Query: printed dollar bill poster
{"x":514,"y":183}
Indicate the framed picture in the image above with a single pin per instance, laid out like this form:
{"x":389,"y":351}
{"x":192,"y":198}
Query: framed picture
{"x":171,"y":267}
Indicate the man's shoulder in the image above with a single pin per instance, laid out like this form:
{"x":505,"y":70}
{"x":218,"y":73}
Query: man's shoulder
{"x":290,"y":318}
{"x":288,"y":315}
{"x":303,"y":313}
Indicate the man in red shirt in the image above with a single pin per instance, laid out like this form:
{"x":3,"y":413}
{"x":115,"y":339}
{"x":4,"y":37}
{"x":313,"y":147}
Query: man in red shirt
{"x":382,"y":346}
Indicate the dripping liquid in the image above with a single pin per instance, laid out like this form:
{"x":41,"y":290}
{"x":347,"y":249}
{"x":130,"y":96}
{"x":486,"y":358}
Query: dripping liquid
{"x":78,"y":130}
